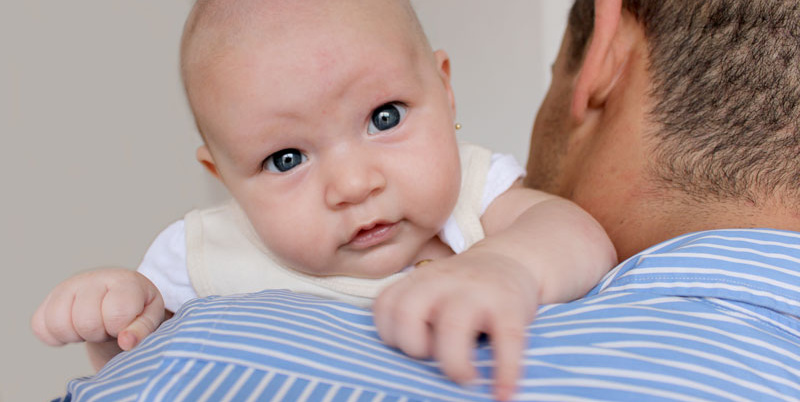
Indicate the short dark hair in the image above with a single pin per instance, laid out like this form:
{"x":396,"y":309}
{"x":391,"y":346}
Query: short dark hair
{"x":726,"y":93}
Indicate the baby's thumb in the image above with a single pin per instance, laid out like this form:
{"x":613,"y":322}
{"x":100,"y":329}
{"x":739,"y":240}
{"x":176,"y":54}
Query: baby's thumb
{"x":152,"y":316}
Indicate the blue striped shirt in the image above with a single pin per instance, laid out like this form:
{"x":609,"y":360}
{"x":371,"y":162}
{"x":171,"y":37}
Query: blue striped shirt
{"x":708,"y":316}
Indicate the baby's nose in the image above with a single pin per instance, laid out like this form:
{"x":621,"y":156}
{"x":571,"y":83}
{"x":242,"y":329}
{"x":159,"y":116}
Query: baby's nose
{"x":353,"y":183}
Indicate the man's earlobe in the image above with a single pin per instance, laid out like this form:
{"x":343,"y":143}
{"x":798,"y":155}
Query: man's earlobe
{"x":600,"y":66}
{"x":205,"y":158}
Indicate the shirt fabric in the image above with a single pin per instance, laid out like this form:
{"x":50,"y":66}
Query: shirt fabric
{"x":165,"y":261}
{"x":707,"y":316}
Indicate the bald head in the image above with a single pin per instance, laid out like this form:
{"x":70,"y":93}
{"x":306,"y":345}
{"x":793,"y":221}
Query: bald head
{"x":217,"y":28}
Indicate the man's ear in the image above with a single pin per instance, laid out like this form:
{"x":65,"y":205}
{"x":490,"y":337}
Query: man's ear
{"x":205,"y":158}
{"x":443,"y":66}
{"x":602,"y":63}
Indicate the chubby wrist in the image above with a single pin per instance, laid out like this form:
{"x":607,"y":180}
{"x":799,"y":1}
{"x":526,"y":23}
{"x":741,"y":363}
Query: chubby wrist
{"x":508,"y":270}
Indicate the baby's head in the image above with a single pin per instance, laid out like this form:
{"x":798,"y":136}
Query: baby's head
{"x":331,"y":124}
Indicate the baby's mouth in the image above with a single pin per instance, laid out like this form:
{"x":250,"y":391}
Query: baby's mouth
{"x":372,"y":235}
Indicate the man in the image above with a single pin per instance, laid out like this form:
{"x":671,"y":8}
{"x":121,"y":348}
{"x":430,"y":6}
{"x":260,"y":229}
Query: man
{"x":664,"y":118}
{"x":675,"y":116}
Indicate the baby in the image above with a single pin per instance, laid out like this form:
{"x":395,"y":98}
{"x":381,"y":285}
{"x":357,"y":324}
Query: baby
{"x":331,"y":123}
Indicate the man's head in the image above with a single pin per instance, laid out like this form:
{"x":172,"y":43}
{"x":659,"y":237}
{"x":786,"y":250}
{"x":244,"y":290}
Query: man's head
{"x":330,"y":122}
{"x":684,"y":115}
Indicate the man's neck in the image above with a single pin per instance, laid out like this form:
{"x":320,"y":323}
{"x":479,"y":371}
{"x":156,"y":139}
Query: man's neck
{"x":668,"y":217}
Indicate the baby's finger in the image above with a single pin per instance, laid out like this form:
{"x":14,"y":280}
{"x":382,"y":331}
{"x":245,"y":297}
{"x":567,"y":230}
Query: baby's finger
{"x":383,"y":311}
{"x":39,"y":325}
{"x":412,"y":314}
{"x":87,"y":318}
{"x":508,"y":341}
{"x":144,"y":325}
{"x":456,"y":326}
{"x":122,"y":304}
{"x":58,"y":316}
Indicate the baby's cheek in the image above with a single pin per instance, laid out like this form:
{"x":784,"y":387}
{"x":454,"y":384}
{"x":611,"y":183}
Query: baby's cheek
{"x":441,"y":199}
{"x":298,"y":243}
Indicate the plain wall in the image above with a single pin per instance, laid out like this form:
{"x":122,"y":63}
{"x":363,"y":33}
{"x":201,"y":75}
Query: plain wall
{"x":98,"y":144}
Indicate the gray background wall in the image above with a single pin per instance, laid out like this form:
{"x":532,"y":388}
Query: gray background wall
{"x":98,"y":144}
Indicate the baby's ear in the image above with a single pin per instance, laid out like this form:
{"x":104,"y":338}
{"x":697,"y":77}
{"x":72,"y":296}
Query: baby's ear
{"x":443,"y":66}
{"x":205,"y":158}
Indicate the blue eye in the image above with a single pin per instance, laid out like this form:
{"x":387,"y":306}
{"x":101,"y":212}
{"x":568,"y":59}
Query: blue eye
{"x":283,"y":160}
{"x":386,"y":116}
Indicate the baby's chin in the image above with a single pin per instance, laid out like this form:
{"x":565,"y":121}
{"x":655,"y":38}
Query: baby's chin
{"x":365,"y":268}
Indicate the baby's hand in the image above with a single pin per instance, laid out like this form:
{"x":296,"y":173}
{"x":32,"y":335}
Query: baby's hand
{"x":441,"y":308}
{"x":99,"y":306}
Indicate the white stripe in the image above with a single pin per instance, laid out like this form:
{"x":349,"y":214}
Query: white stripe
{"x":714,"y":271}
{"x":647,"y":320}
{"x":706,"y":285}
{"x":667,"y":382}
{"x":155,"y":380}
{"x":308,"y":389}
{"x":310,"y":308}
{"x":545,"y":307}
{"x":654,"y":300}
{"x":745,"y":231}
{"x":549,"y":397}
{"x":610,"y":385}
{"x":573,"y":351}
{"x":279,"y":396}
{"x":259,"y":389}
{"x":717,"y":257}
{"x":614,"y":272}
{"x":354,"y":396}
{"x":196,"y":380}
{"x":645,"y":305}
{"x":111,"y":372}
{"x":215,"y":384}
{"x":541,"y":321}
{"x":611,"y":275}
{"x":371,"y":342}
{"x":238,"y":385}
{"x":747,"y":249}
{"x":296,"y":299}
{"x":678,"y":335}
{"x":314,"y":364}
{"x":188,"y":366}
{"x":106,"y":380}
{"x":373,"y":348}
{"x":331,"y":393}
{"x":604,"y":297}
{"x":703,"y":355}
{"x":751,"y":315}
{"x":99,"y":396}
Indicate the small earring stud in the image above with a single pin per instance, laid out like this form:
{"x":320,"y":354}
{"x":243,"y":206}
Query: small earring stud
{"x":458,"y":126}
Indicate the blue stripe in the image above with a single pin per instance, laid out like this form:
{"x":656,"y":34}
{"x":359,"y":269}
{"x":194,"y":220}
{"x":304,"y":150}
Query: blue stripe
{"x":343,"y":394}
{"x":320,"y":390}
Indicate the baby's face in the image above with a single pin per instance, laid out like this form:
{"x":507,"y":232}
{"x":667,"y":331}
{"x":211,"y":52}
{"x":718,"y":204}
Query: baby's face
{"x":338,"y":143}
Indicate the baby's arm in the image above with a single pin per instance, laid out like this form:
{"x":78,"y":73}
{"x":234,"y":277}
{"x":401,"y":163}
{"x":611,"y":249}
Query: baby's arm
{"x":562,"y":246}
{"x":110,"y":309}
{"x":539,"y":248}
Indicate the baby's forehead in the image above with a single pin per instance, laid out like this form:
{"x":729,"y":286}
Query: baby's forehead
{"x":215,"y":27}
{"x":234,"y":18}
{"x":222,"y":37}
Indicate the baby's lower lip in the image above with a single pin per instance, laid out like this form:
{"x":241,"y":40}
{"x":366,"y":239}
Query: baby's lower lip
{"x":374,"y":236}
